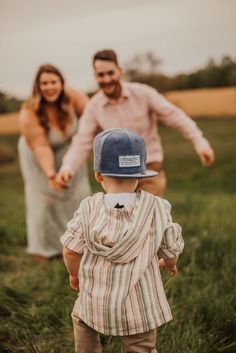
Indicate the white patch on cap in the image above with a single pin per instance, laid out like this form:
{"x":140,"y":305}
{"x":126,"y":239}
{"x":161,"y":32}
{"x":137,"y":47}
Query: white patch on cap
{"x":129,"y":161}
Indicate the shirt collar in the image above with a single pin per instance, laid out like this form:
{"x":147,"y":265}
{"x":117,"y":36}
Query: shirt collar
{"x":125,"y":93}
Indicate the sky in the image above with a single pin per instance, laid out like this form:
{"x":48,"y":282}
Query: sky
{"x":184,"y":34}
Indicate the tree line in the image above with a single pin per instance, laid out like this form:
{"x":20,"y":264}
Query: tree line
{"x":145,"y":68}
{"x":8,"y":103}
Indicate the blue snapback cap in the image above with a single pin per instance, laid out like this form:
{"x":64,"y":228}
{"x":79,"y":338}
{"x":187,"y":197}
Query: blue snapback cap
{"x":120,"y":153}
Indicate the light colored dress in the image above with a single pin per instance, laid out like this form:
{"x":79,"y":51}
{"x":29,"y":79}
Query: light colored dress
{"x":48,"y":211}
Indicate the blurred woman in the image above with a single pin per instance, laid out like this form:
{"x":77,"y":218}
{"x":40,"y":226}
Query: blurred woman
{"x":48,"y":121}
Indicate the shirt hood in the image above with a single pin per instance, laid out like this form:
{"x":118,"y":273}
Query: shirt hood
{"x":118,"y":234}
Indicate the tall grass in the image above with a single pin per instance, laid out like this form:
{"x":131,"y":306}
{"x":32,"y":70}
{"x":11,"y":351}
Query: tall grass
{"x":36,"y":301}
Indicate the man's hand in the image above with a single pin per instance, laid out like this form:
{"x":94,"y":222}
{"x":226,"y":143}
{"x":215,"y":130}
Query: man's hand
{"x":207,"y":157}
{"x":74,"y":282}
{"x":171,"y":267}
{"x":63,"y":178}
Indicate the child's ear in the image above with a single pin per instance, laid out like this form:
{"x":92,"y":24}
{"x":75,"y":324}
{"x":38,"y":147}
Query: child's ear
{"x":98,"y":177}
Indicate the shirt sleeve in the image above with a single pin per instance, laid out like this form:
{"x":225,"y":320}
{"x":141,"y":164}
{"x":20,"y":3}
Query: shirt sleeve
{"x":73,"y":238}
{"x":172,"y":116}
{"x":172,"y":242}
{"x":82,"y":141}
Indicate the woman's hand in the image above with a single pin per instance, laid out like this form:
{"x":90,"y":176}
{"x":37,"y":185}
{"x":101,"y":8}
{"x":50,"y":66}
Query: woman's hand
{"x":53,"y":184}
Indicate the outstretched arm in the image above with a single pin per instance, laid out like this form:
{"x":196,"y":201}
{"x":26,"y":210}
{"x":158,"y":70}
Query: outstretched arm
{"x":175,"y":118}
{"x":37,"y":140}
{"x":80,"y":146}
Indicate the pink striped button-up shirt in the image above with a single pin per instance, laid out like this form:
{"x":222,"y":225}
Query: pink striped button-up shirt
{"x":139,"y":108}
{"x":121,"y":290}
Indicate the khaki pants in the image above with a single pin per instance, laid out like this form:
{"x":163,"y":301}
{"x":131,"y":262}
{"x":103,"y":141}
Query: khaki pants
{"x":155,"y":185}
{"x":87,"y":340}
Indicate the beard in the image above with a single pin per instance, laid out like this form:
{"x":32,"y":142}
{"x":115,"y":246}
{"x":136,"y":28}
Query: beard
{"x":115,"y":93}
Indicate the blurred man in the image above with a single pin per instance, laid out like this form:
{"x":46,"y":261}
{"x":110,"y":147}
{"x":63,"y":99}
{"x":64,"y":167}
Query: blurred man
{"x":134,"y":106}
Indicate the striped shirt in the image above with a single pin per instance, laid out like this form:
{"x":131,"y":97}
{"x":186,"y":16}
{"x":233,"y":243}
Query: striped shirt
{"x":121,"y":290}
{"x":139,"y":109}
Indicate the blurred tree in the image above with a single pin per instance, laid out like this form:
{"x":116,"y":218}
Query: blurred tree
{"x":232,"y":76}
{"x":145,"y":68}
{"x":8,"y":103}
{"x":146,"y":63}
{"x":227,"y":61}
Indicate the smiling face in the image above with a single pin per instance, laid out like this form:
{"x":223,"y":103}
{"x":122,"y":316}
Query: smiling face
{"x":108,"y":76}
{"x":50,"y":86}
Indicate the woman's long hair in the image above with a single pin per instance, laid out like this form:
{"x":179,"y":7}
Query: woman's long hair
{"x":37,"y":103}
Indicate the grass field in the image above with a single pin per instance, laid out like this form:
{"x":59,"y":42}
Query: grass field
{"x":206,"y":102}
{"x":36,"y":301}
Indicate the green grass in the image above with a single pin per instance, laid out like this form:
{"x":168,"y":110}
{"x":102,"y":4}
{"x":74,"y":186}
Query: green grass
{"x":36,"y":301}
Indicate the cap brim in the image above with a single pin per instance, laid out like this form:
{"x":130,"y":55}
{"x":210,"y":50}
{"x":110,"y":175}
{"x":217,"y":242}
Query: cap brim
{"x":146,"y":174}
